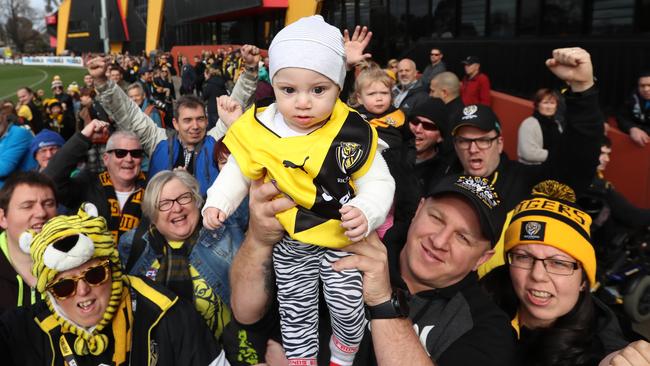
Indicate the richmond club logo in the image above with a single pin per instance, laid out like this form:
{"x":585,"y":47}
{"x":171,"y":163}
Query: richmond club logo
{"x":469,"y":112}
{"x":533,"y":230}
{"x":348,"y":154}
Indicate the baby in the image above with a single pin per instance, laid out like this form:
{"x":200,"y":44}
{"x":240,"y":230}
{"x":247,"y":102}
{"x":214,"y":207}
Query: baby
{"x":325,"y":157}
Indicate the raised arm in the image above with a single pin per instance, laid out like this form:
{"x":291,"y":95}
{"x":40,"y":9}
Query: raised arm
{"x":126,"y":114}
{"x":575,"y":159}
{"x":244,"y":89}
{"x":394,"y":340}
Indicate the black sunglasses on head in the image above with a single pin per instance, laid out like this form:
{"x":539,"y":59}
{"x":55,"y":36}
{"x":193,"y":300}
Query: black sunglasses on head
{"x":121,"y":153}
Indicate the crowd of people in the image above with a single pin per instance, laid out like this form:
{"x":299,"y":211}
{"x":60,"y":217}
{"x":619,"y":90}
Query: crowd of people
{"x":308,"y":208}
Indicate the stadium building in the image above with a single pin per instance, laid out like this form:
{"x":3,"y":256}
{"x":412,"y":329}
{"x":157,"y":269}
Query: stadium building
{"x":512,"y":37}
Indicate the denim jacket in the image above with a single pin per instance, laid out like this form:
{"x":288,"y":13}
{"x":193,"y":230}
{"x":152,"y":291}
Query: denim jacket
{"x":211,"y":256}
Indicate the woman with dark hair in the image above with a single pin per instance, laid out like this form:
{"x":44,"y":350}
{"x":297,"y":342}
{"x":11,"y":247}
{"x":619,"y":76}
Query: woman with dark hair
{"x":550,"y":268}
{"x":539,"y":133}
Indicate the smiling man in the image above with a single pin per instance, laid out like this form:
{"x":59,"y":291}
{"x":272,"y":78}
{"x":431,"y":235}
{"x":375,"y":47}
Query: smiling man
{"x":117,"y":192}
{"x":435,"y":312}
{"x":27,"y":201}
{"x":190,"y":146}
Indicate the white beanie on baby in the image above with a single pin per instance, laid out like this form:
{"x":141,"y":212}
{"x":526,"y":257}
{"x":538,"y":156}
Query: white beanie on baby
{"x":309,"y":43}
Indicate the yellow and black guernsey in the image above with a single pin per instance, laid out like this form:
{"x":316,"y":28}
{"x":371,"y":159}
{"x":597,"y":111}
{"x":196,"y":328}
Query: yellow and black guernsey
{"x":316,"y":170}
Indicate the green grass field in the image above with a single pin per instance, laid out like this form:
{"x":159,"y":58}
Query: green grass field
{"x":13,"y":77}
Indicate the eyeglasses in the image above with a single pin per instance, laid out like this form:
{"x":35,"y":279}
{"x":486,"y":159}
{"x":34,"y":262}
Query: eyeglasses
{"x":121,"y":153}
{"x":429,"y":126}
{"x":552,"y":265}
{"x":435,"y":54}
{"x":94,"y":276}
{"x":183,"y":199}
{"x":481,"y":142}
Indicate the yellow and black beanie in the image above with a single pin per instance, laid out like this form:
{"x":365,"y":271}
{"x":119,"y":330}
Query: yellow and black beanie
{"x":550,"y":217}
{"x":64,"y":243}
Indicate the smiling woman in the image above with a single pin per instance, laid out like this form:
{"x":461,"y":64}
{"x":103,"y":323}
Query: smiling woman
{"x":175,"y":251}
{"x":88,"y":316}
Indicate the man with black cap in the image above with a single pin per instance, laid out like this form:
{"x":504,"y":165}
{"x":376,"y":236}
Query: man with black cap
{"x":437,"y":312}
{"x":475,"y":88}
{"x":479,"y":143}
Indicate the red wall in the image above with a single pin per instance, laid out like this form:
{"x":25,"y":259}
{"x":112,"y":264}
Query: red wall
{"x":629,"y":169}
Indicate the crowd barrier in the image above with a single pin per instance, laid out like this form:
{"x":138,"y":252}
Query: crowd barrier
{"x":628,"y":170}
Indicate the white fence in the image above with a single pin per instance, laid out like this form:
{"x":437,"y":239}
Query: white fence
{"x":46,"y":61}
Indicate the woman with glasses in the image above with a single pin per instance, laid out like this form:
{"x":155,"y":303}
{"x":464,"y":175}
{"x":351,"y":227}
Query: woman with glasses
{"x":546,"y":282}
{"x":174,"y":250}
{"x":93,"y":314}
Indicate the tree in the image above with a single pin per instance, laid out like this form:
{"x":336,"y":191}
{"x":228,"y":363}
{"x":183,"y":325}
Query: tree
{"x":18,"y":25}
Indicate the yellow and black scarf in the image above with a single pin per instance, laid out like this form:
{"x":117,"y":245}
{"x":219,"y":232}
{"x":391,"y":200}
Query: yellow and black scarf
{"x":128,"y":217}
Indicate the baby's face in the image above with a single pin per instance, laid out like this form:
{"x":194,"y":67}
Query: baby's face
{"x":305,"y":98}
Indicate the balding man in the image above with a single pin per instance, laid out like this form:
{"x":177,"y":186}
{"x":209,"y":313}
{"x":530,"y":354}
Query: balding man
{"x":446,"y":87}
{"x":408,"y":93}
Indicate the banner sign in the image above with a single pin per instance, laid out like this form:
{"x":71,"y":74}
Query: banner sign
{"x":53,"y":61}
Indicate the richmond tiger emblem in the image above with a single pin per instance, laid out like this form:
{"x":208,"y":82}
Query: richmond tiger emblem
{"x":348,"y":154}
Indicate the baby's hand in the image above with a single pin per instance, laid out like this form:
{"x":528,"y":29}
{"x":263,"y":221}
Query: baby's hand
{"x":228,"y":109}
{"x":355,"y":222}
{"x":213,"y":218}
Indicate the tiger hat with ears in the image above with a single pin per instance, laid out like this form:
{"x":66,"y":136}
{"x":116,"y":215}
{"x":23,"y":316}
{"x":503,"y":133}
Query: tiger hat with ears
{"x":67,"y":242}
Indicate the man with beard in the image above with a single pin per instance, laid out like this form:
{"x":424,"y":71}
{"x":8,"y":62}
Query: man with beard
{"x":408,"y":92}
{"x":118,"y":191}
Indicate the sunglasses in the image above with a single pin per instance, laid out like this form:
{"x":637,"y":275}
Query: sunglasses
{"x":67,"y":287}
{"x":425,"y":125}
{"x":121,"y":153}
{"x":435,"y":54}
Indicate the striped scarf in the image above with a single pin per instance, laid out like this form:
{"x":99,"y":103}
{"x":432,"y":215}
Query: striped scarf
{"x":127,"y":218}
{"x":174,"y":271}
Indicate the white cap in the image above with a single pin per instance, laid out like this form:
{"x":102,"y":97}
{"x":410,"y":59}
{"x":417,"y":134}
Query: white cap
{"x":309,"y":43}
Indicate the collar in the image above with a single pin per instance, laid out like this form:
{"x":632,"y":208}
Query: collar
{"x":450,"y":291}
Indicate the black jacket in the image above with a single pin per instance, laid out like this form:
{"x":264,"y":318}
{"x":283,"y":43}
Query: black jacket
{"x":214,"y":87}
{"x":572,"y":162}
{"x":83,"y":187}
{"x":635,"y":112}
{"x":164,"y":328}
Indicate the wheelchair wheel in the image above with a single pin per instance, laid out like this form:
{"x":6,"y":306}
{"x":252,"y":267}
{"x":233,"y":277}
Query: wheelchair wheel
{"x":637,"y":302}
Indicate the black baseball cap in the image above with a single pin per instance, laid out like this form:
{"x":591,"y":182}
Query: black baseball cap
{"x":482,"y":196}
{"x":469,"y":60}
{"x":479,"y":116}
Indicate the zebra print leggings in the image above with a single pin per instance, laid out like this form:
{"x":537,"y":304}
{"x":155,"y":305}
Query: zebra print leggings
{"x":298,"y":268}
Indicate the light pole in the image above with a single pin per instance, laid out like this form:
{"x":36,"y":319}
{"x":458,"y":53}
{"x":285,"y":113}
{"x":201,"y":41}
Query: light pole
{"x":103,"y":28}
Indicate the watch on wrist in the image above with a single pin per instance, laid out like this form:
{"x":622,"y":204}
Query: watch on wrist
{"x":396,"y":307}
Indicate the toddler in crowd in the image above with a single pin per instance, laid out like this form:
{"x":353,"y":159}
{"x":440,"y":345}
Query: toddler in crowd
{"x":372,"y":90}
{"x":325,"y":157}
